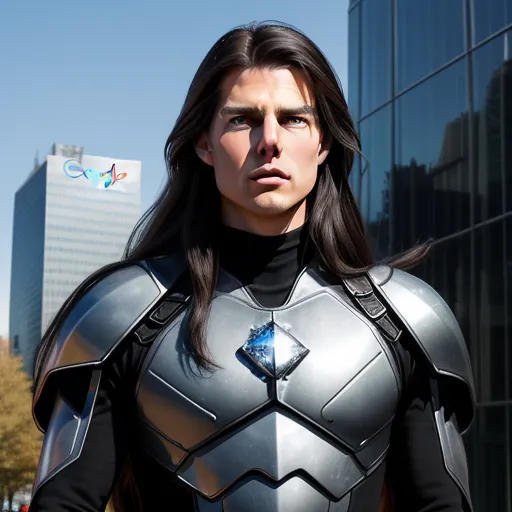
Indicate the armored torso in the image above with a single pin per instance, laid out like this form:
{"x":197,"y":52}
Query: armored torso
{"x":296,"y":417}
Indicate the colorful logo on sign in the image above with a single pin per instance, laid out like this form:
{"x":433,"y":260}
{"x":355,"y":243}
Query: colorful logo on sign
{"x":104,"y":179}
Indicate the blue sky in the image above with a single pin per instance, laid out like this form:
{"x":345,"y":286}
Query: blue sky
{"x":111,"y":76}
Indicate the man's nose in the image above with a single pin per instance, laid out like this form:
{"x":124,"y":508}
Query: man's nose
{"x":270,"y":145}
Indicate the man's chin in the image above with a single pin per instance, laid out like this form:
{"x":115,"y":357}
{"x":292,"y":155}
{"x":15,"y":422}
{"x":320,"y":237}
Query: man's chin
{"x":275,"y":206}
{"x":271,"y":208}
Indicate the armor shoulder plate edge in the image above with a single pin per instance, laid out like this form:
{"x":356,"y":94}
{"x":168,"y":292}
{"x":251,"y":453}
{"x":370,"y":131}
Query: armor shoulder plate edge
{"x":97,"y":324}
{"x":433,"y":328}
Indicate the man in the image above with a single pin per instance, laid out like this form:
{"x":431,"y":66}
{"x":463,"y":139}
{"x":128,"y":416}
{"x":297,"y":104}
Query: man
{"x":247,"y":354}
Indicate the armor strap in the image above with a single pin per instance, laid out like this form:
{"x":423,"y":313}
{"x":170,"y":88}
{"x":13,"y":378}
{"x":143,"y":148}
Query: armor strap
{"x":161,"y":316}
{"x":103,"y":319}
{"x":361,"y":290}
{"x":363,"y":295}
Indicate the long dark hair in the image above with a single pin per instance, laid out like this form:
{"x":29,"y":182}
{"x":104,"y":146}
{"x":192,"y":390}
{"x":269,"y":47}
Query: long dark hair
{"x":186,"y":215}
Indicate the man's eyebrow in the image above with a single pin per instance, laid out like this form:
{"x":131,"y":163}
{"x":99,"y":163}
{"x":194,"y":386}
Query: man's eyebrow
{"x":256,"y":111}
{"x":304,"y":110}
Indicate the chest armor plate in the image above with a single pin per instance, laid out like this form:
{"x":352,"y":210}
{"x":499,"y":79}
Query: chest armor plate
{"x":297,"y":414}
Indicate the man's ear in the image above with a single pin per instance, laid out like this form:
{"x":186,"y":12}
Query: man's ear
{"x":323,"y":148}
{"x":203,"y":149}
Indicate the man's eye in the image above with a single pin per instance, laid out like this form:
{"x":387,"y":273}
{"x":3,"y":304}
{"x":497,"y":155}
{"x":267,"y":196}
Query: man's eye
{"x":238,"y":120}
{"x":295,"y":120}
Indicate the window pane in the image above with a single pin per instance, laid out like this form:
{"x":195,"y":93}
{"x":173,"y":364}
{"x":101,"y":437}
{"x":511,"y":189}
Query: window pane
{"x":430,"y":182}
{"x":507,"y":123}
{"x":376,"y":63}
{"x":508,"y":288}
{"x":492,"y":84}
{"x":376,"y":145}
{"x":490,"y":16}
{"x":491,"y":316}
{"x":487,"y":459}
{"x":354,"y":60}
{"x":429,"y":34}
{"x":448,"y":270}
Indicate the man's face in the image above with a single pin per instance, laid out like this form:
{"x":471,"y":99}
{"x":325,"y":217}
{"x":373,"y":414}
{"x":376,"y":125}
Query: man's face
{"x":265,"y":147}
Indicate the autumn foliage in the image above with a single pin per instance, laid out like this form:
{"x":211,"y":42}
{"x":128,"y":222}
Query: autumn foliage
{"x":20,"y":441}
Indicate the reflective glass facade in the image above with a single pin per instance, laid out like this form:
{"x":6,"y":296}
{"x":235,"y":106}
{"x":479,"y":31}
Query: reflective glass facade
{"x":27,"y":267}
{"x":430,"y":89}
{"x":64,"y":229}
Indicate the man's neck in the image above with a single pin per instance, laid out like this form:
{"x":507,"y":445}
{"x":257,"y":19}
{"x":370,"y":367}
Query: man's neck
{"x":264,"y":225}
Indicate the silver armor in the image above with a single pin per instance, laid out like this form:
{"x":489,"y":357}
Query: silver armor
{"x":299,"y":411}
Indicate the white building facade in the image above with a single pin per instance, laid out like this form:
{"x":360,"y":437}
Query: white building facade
{"x":71,"y":217}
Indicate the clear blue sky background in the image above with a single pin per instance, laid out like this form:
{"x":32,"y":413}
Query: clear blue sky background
{"x":112,"y":75}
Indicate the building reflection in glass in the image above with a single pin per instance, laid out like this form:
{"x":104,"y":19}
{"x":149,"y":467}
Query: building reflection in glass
{"x":438,"y":165}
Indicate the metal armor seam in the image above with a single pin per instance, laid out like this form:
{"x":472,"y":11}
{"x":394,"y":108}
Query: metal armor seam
{"x":82,"y":422}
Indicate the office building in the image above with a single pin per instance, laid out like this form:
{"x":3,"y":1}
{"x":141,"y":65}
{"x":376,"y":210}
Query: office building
{"x":430,"y":88}
{"x":69,"y":220}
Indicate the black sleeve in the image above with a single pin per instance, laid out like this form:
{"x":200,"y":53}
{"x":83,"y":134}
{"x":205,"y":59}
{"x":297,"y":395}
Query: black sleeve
{"x":86,"y":484}
{"x":416,"y":471}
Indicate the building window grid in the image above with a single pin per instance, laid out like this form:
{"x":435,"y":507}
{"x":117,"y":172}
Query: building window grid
{"x":469,"y":50}
{"x":465,"y":55}
{"x":470,"y":47}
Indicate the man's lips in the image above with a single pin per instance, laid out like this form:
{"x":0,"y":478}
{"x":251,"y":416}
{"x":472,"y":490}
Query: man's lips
{"x":269,"y":175}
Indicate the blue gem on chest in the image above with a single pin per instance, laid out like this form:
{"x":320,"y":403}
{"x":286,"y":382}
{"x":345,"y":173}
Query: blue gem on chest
{"x":272,"y":351}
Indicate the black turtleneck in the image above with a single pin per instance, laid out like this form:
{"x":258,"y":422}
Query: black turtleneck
{"x":268,"y":266}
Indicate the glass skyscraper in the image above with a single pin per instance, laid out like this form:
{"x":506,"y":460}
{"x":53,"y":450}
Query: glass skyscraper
{"x":66,"y":226}
{"x":430,"y":88}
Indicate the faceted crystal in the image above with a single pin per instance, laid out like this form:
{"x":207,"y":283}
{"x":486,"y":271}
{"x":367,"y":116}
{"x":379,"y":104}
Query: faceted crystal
{"x":273,"y":351}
